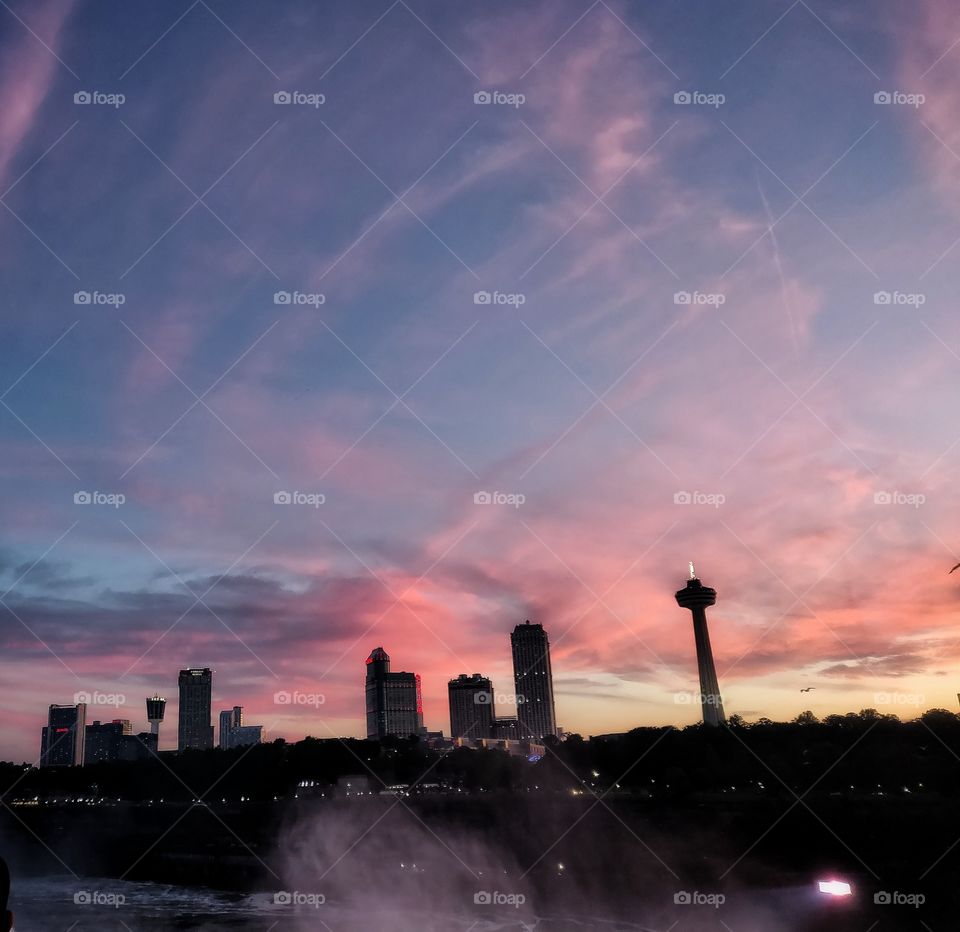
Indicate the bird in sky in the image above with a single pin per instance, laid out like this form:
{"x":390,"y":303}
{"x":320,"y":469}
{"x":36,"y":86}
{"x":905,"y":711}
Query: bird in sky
{"x":807,"y":689}
{"x":958,"y":565}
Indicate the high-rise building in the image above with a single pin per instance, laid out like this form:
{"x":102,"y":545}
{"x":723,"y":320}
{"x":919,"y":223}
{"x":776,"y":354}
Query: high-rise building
{"x":156,"y":706}
{"x":471,"y":706}
{"x":64,"y":737}
{"x":696,"y":597}
{"x":233,"y":733}
{"x":195,"y":730}
{"x":394,"y":704}
{"x":533,"y":677}
{"x":105,"y":741}
{"x":230,"y":719}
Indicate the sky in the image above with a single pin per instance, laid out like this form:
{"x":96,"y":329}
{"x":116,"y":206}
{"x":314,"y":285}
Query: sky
{"x":287,"y":288}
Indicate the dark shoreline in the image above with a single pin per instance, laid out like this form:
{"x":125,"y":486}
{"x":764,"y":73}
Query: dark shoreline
{"x":626,"y":853}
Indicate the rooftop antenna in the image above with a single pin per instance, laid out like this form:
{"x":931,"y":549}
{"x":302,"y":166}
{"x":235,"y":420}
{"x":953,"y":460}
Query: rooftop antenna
{"x":693,"y":574}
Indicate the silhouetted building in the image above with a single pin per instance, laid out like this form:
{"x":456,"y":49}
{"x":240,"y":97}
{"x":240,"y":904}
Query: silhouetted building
{"x":64,"y":737}
{"x":246,"y":735}
{"x":104,"y":740}
{"x":229,"y":720}
{"x":113,"y":741}
{"x":394,"y":705}
{"x":156,"y":706}
{"x":471,"y":706}
{"x":696,"y":597}
{"x":195,"y":730}
{"x":233,"y":733}
{"x":506,"y":729}
{"x":533,"y":677}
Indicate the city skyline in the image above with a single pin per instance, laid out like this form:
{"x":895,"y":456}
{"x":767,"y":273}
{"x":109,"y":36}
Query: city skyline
{"x":610,"y":327}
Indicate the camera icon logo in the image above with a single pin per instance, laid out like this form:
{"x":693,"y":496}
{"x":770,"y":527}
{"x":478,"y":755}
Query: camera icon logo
{"x":82,"y":898}
{"x":82,"y":498}
{"x":283,"y":97}
{"x":282,"y":498}
{"x":882,"y":297}
{"x":483,"y":97}
{"x":482,"y":898}
{"x":482,"y":297}
{"x":882,"y":97}
{"x":682,"y":498}
{"x":282,"y":698}
{"x":282,"y":297}
{"x":681,"y":897}
{"x":682,"y":297}
{"x":483,"y":698}
{"x":282,"y":898}
{"x":81,"y":297}
{"x":81,"y":698}
{"x":882,"y":498}
{"x":82,"y":97}
{"x":682,"y":97}
{"x":482,"y":498}
{"x":882,"y":898}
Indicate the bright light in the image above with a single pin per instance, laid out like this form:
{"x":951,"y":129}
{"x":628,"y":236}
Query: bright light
{"x":835,"y":888}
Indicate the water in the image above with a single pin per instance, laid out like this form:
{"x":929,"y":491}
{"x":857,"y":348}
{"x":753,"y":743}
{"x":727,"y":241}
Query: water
{"x":122,"y":906}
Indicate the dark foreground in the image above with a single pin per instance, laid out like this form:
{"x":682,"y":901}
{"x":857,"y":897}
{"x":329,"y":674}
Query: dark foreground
{"x":489,"y":861}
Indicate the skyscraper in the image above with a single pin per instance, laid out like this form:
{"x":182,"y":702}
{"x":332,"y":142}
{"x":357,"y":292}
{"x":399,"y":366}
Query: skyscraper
{"x":195,"y":730}
{"x":696,"y":597}
{"x":394,"y":705}
{"x":533,"y":677}
{"x":63,"y":740}
{"x":471,"y":706}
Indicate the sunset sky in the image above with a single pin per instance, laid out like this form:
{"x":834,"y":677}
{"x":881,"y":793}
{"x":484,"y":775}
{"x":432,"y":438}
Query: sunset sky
{"x":816,"y":422}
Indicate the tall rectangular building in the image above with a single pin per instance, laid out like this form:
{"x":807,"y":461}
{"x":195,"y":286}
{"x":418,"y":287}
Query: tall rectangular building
{"x":533,"y":677}
{"x":394,"y":705}
{"x":63,"y":740}
{"x":230,"y":720}
{"x":471,"y":706}
{"x":194,"y":728}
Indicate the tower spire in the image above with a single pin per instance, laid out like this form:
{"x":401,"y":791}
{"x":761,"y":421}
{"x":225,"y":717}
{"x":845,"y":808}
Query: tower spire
{"x":697,"y":597}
